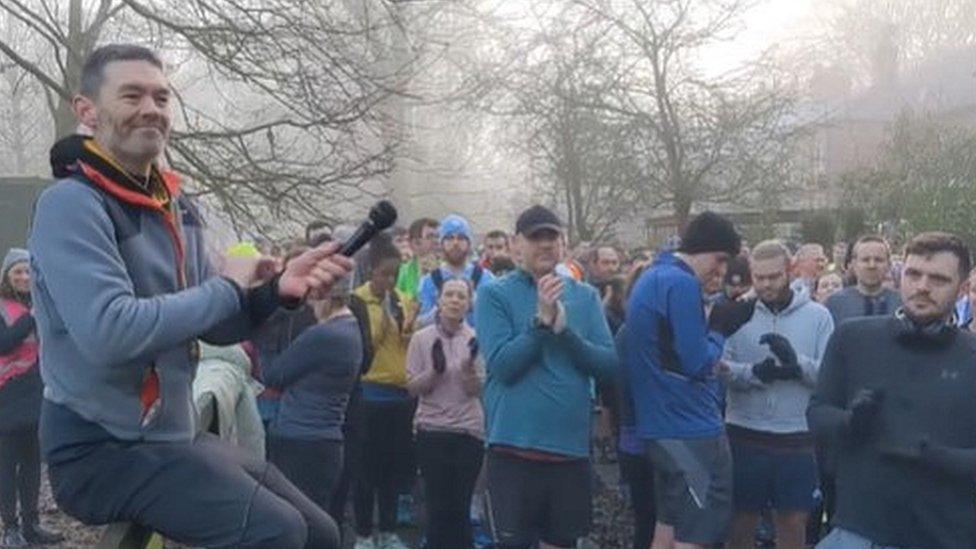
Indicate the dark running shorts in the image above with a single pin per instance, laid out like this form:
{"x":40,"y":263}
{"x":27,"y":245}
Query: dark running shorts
{"x":537,"y":500}
{"x":764,"y":477}
{"x":693,"y":487}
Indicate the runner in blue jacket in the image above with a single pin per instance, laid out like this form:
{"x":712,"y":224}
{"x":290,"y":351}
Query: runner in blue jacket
{"x":672,"y":352}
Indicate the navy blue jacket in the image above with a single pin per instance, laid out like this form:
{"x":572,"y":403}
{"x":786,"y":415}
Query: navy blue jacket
{"x":316,"y":374}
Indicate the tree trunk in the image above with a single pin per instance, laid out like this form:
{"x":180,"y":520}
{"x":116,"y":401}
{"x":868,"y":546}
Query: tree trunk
{"x":64,"y":118}
{"x":17,"y":86}
{"x":79,"y":47}
{"x":682,"y":212}
{"x":17,"y":138}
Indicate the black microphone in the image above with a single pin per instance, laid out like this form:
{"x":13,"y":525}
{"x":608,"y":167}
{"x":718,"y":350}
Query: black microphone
{"x":381,"y":216}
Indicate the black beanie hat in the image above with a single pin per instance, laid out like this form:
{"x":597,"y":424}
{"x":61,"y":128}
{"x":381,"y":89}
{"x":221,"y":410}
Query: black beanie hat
{"x":710,"y":232}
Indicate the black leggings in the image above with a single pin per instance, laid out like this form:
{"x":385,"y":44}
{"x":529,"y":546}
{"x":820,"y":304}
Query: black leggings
{"x":388,"y":462}
{"x":638,"y":473}
{"x":449,"y":465}
{"x":352,"y":450}
{"x":313,"y":466}
{"x":20,"y":475}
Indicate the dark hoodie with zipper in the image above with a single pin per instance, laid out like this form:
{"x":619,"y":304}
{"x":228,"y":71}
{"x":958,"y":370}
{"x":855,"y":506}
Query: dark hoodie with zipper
{"x":122,"y":291}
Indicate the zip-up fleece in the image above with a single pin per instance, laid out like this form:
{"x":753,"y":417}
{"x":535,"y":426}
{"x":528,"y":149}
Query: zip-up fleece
{"x":122,"y":290}
{"x":537,"y":389}
{"x":780,"y":406}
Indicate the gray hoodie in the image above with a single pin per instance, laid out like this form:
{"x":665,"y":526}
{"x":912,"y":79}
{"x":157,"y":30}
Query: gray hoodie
{"x":778,"y":407}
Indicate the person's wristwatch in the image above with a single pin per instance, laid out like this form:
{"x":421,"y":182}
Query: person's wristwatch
{"x":540,"y":324}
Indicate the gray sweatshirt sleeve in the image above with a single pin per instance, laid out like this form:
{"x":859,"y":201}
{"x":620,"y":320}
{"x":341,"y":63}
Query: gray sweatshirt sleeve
{"x":739,"y":375}
{"x":811,"y":364}
{"x":76,"y":260}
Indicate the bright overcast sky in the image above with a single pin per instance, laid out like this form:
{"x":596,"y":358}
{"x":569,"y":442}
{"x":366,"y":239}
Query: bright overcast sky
{"x":768,"y":23}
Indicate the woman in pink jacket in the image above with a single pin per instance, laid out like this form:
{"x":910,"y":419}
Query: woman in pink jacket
{"x":445,"y":375}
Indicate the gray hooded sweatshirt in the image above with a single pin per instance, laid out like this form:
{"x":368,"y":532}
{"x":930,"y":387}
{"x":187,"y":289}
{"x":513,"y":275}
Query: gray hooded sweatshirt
{"x":778,"y":407}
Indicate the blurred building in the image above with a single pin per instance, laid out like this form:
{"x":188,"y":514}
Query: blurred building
{"x":845,"y":130}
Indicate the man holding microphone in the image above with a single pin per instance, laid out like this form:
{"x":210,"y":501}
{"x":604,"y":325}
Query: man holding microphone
{"x":124,"y":292}
{"x":544,"y":339}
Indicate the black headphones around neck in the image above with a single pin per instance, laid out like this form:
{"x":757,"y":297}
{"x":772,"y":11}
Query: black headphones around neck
{"x":935,"y":333}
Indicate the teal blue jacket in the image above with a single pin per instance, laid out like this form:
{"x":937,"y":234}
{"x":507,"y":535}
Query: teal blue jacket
{"x":537,"y":389}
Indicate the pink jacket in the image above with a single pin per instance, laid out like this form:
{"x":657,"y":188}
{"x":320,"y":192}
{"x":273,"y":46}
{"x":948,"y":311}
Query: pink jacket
{"x":450,"y":401}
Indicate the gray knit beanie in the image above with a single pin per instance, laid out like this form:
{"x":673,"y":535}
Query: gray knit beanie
{"x":13,"y":257}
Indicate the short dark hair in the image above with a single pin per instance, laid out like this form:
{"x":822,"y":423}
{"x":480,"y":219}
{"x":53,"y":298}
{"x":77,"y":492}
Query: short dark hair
{"x":928,"y":244}
{"x":319,"y":239}
{"x":739,"y":267}
{"x":417,"y":227}
{"x":876,"y":238}
{"x":93,"y":72}
{"x":314,"y":227}
{"x":381,"y":249}
{"x":502,"y":264}
{"x":497,"y":233}
{"x":595,"y":251}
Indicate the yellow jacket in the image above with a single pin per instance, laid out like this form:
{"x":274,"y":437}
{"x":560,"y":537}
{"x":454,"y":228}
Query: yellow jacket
{"x":389,"y":366}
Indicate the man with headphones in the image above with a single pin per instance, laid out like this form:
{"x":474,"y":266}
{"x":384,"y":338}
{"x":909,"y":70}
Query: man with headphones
{"x":896,"y":398}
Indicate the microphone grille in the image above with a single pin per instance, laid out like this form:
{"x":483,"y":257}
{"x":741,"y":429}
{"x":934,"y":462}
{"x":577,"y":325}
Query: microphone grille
{"x":383,"y":214}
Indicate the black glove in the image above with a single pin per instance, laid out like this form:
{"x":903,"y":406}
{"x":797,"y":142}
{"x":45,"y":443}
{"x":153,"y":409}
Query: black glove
{"x":789,"y":372}
{"x":907,"y":452}
{"x":440,"y":360}
{"x":766,"y":371}
{"x":727,"y":318}
{"x":781,"y":347}
{"x":955,"y":462}
{"x":864,"y":409}
{"x":473,"y":347}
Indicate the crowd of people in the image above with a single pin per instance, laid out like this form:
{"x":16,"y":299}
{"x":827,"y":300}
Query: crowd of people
{"x":751,"y":392}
